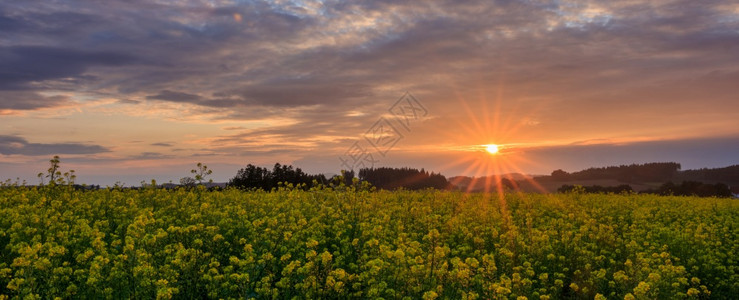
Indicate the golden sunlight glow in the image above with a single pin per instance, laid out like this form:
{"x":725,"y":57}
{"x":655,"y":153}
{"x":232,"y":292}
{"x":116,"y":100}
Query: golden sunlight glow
{"x":489,"y":164}
{"x":492,"y":148}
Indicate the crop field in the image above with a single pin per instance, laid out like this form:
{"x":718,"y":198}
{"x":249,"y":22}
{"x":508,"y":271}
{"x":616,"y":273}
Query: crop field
{"x":328,"y":244}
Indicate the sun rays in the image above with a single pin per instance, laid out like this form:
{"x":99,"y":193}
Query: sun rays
{"x":494,"y":151}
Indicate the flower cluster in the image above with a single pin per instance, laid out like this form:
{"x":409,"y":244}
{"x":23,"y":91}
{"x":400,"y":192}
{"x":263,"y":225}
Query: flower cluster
{"x":321,"y":243}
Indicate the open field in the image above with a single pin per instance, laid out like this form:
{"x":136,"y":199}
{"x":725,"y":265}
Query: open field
{"x":356,"y":244}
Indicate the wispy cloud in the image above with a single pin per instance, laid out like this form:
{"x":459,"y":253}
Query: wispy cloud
{"x":10,"y":145}
{"x":150,"y":155}
{"x":162,"y":144}
{"x":28,"y":100}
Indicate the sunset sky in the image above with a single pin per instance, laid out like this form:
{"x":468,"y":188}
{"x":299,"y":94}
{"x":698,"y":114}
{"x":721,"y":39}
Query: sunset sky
{"x":138,"y":90}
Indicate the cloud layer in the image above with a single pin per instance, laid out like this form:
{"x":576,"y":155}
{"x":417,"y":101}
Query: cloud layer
{"x":306,"y":77}
{"x":330,"y":53}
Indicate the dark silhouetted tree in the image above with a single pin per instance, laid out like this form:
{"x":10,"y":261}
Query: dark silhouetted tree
{"x":693,"y":188}
{"x":394,"y":178}
{"x":560,"y":175}
{"x":187,"y":181}
{"x":253,"y":177}
{"x":509,"y":184}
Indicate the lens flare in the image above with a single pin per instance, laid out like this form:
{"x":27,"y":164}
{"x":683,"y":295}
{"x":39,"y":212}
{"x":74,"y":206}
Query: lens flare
{"x":492,"y":148}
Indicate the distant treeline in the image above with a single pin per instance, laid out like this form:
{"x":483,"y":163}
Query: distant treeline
{"x":686,"y":188}
{"x":253,"y":177}
{"x":726,"y":174}
{"x":692,"y":188}
{"x":408,"y":178}
{"x":649,"y":172}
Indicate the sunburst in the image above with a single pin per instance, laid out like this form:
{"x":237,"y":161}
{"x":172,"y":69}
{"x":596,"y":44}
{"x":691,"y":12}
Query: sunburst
{"x":490,"y":162}
{"x":492,"y":148}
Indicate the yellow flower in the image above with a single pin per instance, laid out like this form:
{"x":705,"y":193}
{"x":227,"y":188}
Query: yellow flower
{"x":430,"y":295}
{"x":641,"y":289}
{"x":574,"y":287}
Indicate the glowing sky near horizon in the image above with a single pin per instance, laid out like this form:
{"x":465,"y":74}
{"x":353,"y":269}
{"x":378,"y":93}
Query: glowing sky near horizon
{"x":139,"y":90}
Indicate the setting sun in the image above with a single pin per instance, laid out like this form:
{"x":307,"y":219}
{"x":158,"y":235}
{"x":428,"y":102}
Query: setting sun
{"x":492,"y":148}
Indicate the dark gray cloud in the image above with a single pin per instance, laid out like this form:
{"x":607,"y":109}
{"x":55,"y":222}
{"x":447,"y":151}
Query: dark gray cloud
{"x":28,"y":100}
{"x":10,"y":145}
{"x":300,"y":93}
{"x":282,"y":93}
{"x":162,"y":144}
{"x":347,"y":53}
{"x":10,"y":23}
{"x":23,"y":65}
{"x":150,"y":155}
{"x":168,"y":95}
